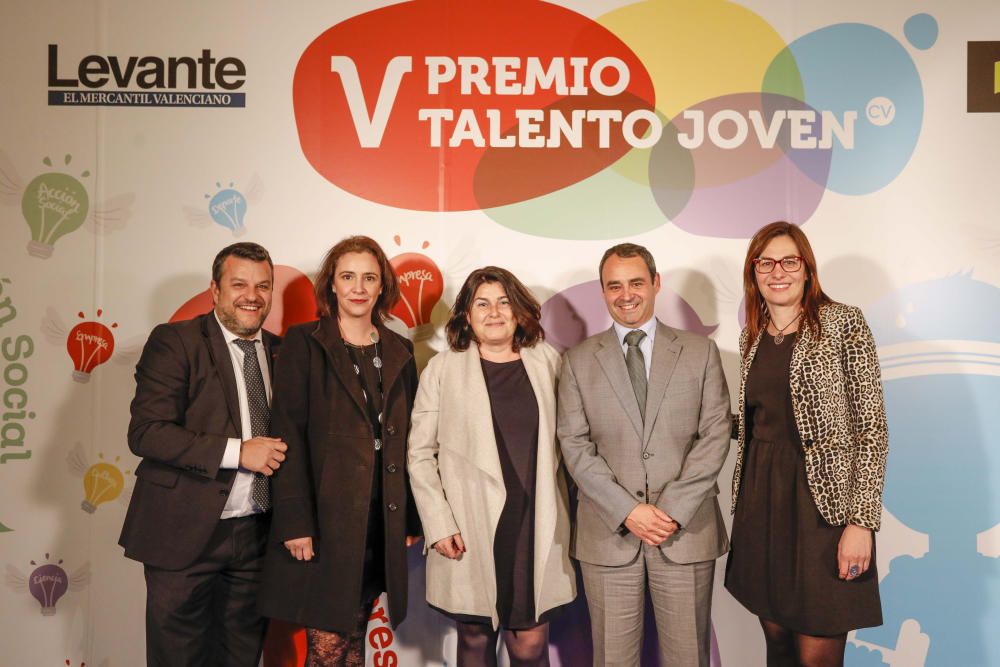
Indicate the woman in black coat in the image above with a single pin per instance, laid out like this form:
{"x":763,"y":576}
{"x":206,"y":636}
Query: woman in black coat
{"x":343,"y":514}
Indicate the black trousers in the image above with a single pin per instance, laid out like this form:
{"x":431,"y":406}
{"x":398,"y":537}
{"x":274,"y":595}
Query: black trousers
{"x":206,"y":613}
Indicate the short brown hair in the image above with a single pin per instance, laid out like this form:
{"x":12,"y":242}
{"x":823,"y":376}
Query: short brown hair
{"x":523,"y":304}
{"x":812,"y":296}
{"x":242,"y":250}
{"x":326,"y":298}
{"x":625,"y":251}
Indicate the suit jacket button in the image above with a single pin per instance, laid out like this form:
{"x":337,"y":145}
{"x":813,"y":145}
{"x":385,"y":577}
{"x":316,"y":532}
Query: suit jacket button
{"x":391,"y":430}
{"x":393,"y":507}
{"x":223,"y":492}
{"x":645,"y":455}
{"x":639,"y":494}
{"x":391,"y":467}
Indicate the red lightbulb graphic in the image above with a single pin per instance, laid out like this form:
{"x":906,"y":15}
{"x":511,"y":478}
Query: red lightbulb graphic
{"x":89,"y":344}
{"x":420,"y":287}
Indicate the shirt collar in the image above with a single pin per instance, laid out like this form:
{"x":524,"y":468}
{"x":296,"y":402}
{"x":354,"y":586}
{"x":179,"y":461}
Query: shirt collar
{"x":230,"y":336}
{"x":649,"y":327}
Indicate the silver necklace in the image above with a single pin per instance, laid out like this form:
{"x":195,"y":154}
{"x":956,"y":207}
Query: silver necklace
{"x":779,"y":338}
{"x":377,"y":363}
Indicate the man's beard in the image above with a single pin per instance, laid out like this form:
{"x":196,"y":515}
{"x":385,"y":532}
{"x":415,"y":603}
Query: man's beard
{"x":229,"y":320}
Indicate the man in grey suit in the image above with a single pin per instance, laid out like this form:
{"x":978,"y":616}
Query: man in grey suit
{"x":643,"y":421}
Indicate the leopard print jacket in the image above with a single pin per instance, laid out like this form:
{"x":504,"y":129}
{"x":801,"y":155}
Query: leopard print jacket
{"x":836,"y":389}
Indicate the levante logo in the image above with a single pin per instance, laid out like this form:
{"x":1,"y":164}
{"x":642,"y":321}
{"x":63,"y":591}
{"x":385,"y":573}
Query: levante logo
{"x":201,"y":80}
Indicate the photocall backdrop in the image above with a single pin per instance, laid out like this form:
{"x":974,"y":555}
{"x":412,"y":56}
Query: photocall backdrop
{"x":138,"y":138}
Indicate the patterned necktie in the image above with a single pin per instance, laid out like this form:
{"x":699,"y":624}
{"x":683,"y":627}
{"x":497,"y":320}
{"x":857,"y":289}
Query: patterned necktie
{"x":636,"y":364}
{"x":260,"y":415}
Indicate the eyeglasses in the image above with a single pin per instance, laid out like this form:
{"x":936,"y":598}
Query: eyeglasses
{"x":766,"y":264}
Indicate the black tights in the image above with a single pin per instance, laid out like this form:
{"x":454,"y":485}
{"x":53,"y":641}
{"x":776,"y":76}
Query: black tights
{"x":334,"y":649}
{"x":477,"y":646}
{"x":791,"y":649}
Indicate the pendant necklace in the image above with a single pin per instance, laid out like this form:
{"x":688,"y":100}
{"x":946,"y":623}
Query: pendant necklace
{"x":779,"y":338}
{"x":377,"y":363}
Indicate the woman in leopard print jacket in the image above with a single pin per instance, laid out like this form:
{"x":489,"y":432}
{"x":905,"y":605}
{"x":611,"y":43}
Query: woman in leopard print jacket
{"x":810,"y":465}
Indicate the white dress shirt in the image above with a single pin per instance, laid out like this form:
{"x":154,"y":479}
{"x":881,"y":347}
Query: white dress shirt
{"x":645,"y":346}
{"x":239,"y":502}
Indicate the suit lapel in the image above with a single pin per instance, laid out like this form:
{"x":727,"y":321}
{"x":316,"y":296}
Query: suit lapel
{"x":612,"y":362}
{"x":482,"y":449}
{"x":666,"y":350}
{"x":547,"y":458}
{"x":803,"y":341}
{"x":394,"y":357}
{"x":328,"y":336}
{"x":223,"y":362}
{"x":541,"y":385}
{"x":271,"y":345}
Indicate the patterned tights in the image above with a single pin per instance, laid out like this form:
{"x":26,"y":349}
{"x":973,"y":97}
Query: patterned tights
{"x":333,"y":649}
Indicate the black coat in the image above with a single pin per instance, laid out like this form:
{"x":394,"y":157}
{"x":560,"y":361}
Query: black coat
{"x":185,"y":409}
{"x":323,"y":489}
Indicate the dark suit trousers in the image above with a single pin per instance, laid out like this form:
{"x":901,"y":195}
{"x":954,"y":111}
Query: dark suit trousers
{"x":206,"y":613}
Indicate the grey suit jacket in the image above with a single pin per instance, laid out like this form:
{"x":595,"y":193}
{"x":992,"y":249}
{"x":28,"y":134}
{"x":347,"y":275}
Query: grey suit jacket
{"x":672,"y":461}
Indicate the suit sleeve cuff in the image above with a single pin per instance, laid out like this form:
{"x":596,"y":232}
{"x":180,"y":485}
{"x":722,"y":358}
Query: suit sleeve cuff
{"x":231,"y":457}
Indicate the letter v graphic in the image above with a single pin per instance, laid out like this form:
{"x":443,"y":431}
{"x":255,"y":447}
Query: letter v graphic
{"x":370,"y":130}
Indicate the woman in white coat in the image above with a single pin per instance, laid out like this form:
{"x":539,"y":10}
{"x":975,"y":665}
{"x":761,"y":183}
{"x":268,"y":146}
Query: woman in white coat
{"x":487,"y":477}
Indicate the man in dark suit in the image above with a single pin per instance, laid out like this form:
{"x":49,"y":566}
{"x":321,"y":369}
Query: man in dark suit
{"x":199,"y":514}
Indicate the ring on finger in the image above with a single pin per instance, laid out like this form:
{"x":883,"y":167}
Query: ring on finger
{"x":853,"y":571}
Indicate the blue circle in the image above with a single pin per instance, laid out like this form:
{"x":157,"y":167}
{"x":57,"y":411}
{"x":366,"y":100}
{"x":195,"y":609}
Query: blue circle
{"x":855,"y":72}
{"x":921,"y":30}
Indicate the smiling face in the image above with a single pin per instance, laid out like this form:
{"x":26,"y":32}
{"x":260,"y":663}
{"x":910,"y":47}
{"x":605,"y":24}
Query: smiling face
{"x":242,"y":297}
{"x":781,"y":288}
{"x":491,"y":317}
{"x":629,"y":291}
{"x":357,"y":282}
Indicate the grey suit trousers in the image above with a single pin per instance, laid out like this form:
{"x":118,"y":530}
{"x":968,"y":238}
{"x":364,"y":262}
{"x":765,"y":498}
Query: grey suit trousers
{"x":681,"y":596}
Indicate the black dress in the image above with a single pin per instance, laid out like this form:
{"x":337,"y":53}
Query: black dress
{"x":370,"y":378}
{"x":515,"y":426}
{"x":783,"y":563}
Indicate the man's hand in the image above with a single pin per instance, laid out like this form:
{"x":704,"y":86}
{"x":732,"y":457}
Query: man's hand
{"x":451,"y":547}
{"x":650,"y":524}
{"x":262,"y":454}
{"x":413,"y":539}
{"x":301,"y":548}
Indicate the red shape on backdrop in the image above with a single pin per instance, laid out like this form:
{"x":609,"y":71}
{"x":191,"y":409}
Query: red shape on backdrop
{"x":294,"y":301}
{"x":405,"y":169}
{"x":420,"y":288}
{"x":284,"y":645}
{"x":89,"y":344}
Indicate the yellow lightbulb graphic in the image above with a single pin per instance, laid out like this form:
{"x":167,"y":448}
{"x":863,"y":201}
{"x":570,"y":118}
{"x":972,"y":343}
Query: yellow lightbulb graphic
{"x":102,"y":482}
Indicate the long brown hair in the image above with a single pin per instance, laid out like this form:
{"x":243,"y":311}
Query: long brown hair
{"x":326,"y":298}
{"x":812,"y":296}
{"x":523,"y":304}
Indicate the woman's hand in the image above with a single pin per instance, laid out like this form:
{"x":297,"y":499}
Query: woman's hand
{"x":451,"y":547}
{"x":301,"y":548}
{"x":854,"y":552}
